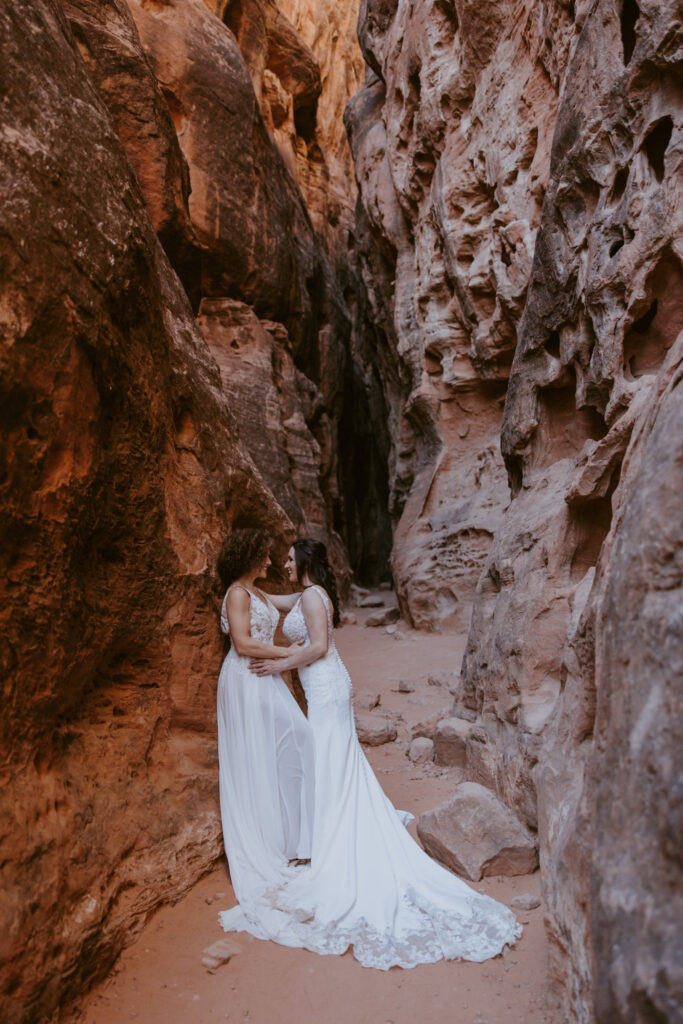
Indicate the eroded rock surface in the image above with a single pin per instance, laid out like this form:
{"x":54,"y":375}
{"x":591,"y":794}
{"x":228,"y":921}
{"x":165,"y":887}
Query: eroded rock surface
{"x":304,"y":63}
{"x":451,"y":140}
{"x":121,"y":475}
{"x":246,"y":209}
{"x":131,"y":137}
{"x":282,"y":416}
{"x":109,"y":44}
{"x":519,"y":169}
{"x":603,"y":311}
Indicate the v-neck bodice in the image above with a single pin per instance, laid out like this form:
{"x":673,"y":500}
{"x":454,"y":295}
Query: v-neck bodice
{"x":263,"y":617}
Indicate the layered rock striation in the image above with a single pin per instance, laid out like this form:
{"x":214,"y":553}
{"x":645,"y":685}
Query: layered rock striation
{"x":519,"y":168}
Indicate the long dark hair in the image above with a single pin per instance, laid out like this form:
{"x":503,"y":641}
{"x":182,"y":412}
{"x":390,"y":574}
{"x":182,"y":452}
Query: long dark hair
{"x":242,"y":551}
{"x":311,"y":558}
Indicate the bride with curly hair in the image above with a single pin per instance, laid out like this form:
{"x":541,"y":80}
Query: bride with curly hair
{"x":265,"y":746}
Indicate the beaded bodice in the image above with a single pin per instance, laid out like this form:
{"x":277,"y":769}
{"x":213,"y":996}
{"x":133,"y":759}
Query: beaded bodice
{"x":294,"y":626}
{"x":263,"y":618}
{"x":326,"y":682}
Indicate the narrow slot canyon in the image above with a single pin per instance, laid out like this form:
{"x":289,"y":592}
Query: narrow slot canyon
{"x":404,"y":278}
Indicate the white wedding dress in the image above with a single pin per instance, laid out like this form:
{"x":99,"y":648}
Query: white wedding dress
{"x":266,"y":767}
{"x":369,"y":886}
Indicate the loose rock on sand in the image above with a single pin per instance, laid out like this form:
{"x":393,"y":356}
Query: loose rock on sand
{"x":476,"y":835}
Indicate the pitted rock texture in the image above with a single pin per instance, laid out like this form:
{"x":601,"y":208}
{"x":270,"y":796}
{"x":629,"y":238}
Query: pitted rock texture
{"x":451,"y":139}
{"x":496,"y":219}
{"x":121,"y":475}
{"x":597,"y":347}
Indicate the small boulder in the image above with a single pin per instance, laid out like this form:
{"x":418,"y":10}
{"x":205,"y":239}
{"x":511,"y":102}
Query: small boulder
{"x":366,"y":701}
{"x":348,"y":618}
{"x":421,"y":750}
{"x":386,"y":617}
{"x":476,"y":835}
{"x":371,"y":601}
{"x":219,"y":953}
{"x":406,"y":686}
{"x":427,"y":726}
{"x":525,"y":902}
{"x":460,"y":711}
{"x":357,"y":594}
{"x":374,"y":731}
{"x":450,"y":742}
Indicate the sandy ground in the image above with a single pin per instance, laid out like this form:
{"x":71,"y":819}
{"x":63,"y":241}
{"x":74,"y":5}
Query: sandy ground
{"x":160,"y":979}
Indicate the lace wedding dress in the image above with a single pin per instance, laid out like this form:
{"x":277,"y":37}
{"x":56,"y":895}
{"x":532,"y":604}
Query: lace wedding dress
{"x":266,"y":768}
{"x":369,"y":886}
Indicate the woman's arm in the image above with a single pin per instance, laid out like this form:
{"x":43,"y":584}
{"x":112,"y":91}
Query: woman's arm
{"x":315,"y":614}
{"x":237,"y":608}
{"x":283,"y":602}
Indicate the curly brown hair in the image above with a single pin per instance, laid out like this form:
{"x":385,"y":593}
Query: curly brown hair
{"x":243,"y":550}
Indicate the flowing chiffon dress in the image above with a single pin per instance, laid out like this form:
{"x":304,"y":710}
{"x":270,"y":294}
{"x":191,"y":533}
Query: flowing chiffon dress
{"x":370,"y":885}
{"x":266,"y":766}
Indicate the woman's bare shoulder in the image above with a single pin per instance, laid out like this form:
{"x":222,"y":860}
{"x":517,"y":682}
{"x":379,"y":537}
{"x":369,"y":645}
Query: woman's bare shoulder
{"x":237,"y":596}
{"x":312,"y":598}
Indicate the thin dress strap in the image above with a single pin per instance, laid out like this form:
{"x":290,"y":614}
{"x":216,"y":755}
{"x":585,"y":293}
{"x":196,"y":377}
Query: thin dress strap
{"x":225,"y":625}
{"x":324,"y":596}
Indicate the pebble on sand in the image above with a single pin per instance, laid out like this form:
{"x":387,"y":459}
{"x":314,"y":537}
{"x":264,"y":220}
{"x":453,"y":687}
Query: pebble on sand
{"x":219,"y":953}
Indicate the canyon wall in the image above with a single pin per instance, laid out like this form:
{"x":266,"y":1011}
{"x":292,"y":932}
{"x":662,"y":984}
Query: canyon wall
{"x":121,"y":475}
{"x":201,"y":330}
{"x":519,"y":169}
{"x":451,"y":139}
{"x":304,"y":63}
{"x":175,"y":352}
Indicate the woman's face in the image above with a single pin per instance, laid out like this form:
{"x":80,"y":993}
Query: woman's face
{"x":290,"y":566}
{"x":263,"y":569}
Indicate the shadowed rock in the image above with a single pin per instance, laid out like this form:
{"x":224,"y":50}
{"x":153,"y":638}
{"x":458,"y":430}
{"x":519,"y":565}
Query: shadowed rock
{"x":450,"y":742}
{"x":383,"y":618}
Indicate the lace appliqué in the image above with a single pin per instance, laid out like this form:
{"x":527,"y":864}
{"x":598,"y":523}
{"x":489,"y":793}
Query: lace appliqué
{"x":427,"y":934}
{"x":326,"y":681}
{"x":263,"y":619}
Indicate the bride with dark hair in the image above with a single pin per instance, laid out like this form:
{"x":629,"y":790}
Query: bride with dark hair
{"x":369,"y":884}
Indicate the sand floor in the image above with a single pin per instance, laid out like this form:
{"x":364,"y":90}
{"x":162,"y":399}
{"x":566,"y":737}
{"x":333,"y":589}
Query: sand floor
{"x":160,"y":978}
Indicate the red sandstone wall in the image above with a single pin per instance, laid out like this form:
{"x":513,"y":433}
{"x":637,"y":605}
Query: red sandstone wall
{"x":128,"y":186}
